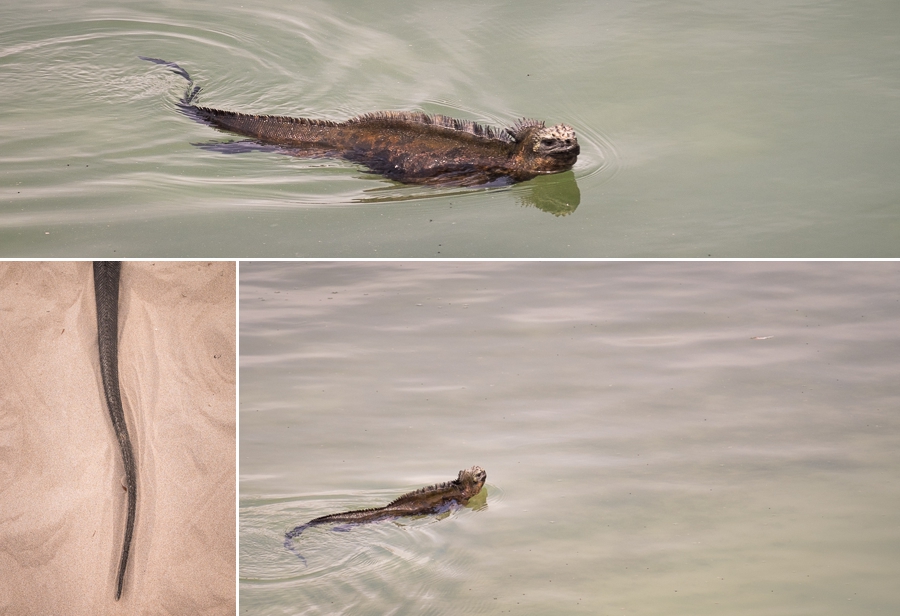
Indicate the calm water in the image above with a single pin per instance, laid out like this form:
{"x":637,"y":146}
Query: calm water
{"x":659,"y":438}
{"x":712,"y":128}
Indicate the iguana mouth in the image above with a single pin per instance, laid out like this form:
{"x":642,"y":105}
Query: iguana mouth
{"x":565,"y":150}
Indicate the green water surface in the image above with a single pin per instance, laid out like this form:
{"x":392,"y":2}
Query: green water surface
{"x":712,"y":128}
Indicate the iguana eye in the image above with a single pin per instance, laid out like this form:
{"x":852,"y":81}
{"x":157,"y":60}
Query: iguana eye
{"x":547,"y":141}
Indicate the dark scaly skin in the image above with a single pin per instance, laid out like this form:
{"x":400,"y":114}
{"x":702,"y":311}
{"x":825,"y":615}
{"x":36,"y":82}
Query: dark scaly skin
{"x":432,"y":499}
{"x":106,"y":290}
{"x":408,"y":147}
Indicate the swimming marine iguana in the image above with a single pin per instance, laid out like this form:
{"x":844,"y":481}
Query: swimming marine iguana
{"x":432,"y":499}
{"x":408,"y":147}
{"x":106,"y":292}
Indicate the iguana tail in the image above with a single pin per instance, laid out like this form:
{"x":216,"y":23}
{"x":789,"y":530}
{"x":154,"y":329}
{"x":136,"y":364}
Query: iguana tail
{"x":289,"y":540}
{"x":186,"y":103}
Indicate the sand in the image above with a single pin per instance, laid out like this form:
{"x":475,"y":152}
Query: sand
{"x":62,"y":496}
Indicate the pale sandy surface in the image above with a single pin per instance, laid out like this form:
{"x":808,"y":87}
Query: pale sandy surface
{"x":62,"y":500}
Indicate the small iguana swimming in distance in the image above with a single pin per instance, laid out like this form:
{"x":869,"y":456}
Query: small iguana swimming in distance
{"x":432,"y":499}
{"x":408,"y":147}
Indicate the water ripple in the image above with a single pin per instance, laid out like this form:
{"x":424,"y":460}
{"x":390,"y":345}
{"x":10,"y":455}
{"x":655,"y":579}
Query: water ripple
{"x":358,"y":566}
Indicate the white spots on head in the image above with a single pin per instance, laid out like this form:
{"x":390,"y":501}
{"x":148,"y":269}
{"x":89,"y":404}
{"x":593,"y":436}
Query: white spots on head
{"x":555,"y":137}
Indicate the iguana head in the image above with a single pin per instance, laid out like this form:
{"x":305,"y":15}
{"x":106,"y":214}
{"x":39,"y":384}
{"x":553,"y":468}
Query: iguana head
{"x":542,"y":149}
{"x":472,"y":480}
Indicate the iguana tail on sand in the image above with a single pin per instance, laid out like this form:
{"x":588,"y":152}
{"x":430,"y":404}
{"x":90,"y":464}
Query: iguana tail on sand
{"x":106,"y":291}
{"x":432,"y":499}
{"x":408,"y":147}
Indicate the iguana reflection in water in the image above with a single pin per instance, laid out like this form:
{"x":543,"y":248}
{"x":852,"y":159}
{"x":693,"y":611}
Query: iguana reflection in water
{"x":433,"y":499}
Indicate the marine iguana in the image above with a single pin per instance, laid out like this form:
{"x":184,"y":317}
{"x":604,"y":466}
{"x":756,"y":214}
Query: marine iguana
{"x":106,"y":292}
{"x":408,"y":147}
{"x":431,"y":499}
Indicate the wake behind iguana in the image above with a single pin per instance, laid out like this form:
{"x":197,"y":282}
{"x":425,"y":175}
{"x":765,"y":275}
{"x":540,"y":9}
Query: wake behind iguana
{"x":438,"y":498}
{"x":408,"y":147}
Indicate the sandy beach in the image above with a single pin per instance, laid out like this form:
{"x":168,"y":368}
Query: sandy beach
{"x":62,"y":495}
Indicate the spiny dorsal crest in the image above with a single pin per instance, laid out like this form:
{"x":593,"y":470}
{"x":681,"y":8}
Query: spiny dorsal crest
{"x":426,"y":490}
{"x":442,"y":121}
{"x":517,"y":131}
